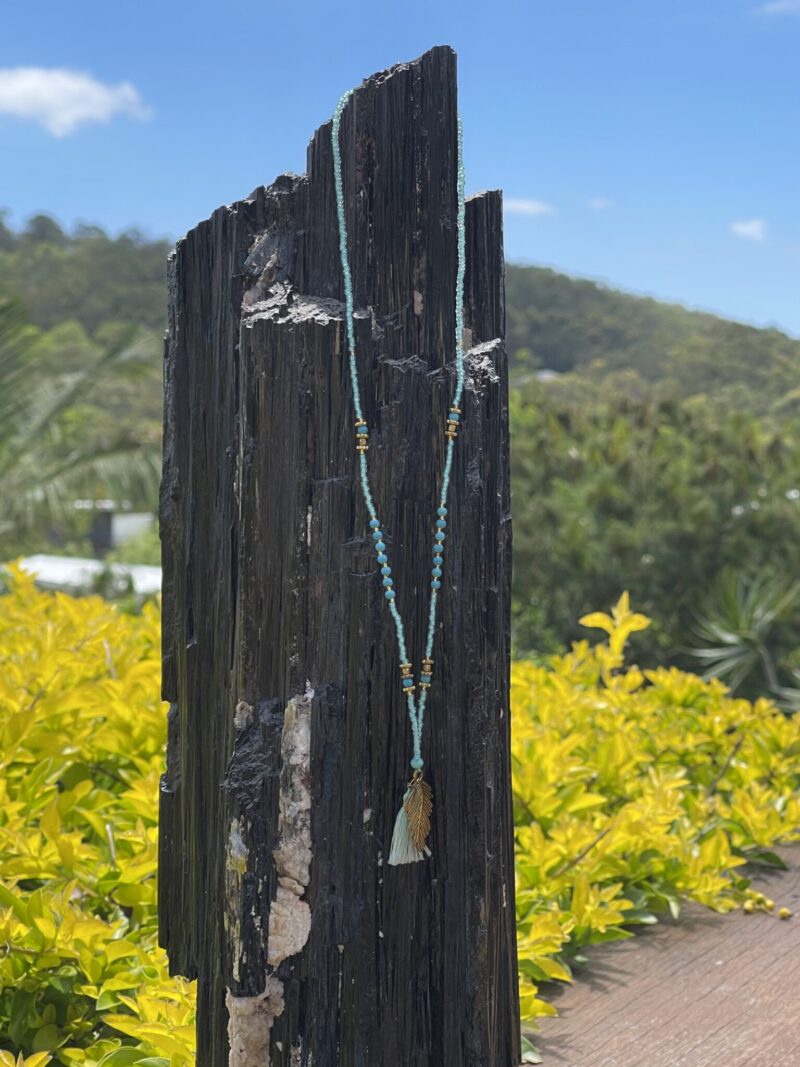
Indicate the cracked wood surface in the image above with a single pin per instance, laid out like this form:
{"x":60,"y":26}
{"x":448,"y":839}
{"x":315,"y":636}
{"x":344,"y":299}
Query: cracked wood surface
{"x":271,"y":592}
{"x":708,"y":991}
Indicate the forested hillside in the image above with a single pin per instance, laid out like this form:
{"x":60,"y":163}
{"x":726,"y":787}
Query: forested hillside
{"x":663,"y":455}
{"x":569,"y":324}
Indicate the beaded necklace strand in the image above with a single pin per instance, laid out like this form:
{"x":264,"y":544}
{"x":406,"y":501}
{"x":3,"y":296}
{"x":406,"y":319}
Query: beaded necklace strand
{"x":412,"y":825}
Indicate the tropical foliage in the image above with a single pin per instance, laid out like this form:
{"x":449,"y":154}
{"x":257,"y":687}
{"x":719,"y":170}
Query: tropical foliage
{"x":54,"y":444}
{"x":82,"y":733}
{"x":661,"y":497}
{"x":741,"y":633}
{"x":633,"y":790}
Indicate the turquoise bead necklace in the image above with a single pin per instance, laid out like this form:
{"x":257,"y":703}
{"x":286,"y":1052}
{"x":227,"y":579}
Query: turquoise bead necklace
{"x":412,"y":825}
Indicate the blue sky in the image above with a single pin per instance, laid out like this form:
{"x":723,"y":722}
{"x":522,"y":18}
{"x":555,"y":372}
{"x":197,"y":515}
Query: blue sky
{"x":654,"y":145}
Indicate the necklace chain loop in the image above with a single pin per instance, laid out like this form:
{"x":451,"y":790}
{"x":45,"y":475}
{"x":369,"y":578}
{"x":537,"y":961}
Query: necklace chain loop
{"x":416,"y":706}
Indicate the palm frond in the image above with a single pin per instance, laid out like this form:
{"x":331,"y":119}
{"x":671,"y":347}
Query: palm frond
{"x":735,"y":628}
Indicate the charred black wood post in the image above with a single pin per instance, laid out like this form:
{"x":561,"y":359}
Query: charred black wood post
{"x":288,"y":741}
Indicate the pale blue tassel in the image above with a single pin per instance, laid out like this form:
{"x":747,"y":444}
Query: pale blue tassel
{"x":403,"y":849}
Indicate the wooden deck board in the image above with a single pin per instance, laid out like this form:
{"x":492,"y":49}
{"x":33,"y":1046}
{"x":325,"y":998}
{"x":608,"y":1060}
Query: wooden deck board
{"x":708,"y":991}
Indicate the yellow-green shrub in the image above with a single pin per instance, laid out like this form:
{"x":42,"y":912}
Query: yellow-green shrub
{"x":82,"y":732}
{"x":633,"y":790}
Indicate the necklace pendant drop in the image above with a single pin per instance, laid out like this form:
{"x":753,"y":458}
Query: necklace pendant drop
{"x":413,"y":823}
{"x":418,"y":804}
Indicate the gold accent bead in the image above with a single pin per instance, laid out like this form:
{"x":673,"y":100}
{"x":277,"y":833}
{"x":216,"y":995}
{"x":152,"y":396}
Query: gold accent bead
{"x":427,"y":665}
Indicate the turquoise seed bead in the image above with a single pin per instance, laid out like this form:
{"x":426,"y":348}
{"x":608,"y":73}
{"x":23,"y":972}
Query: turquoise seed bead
{"x":437,"y":572}
{"x":436,"y":584}
{"x":425,"y":677}
{"x":454,"y":416}
{"x":441,"y":523}
{"x":386,"y":571}
{"x":441,"y":511}
{"x":375,"y":524}
{"x":382,"y":558}
{"x":388,"y":582}
{"x":389,"y":594}
{"x":439,"y":535}
{"x":417,"y":763}
{"x":379,"y":546}
{"x":376,"y":535}
{"x":407,"y":683}
{"x":362,"y":430}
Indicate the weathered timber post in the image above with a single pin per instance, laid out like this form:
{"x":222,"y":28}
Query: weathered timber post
{"x":288,"y":739}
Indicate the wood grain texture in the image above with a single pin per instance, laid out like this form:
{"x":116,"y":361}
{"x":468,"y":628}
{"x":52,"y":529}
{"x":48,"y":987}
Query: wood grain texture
{"x":272,"y":599}
{"x":707,"y":991}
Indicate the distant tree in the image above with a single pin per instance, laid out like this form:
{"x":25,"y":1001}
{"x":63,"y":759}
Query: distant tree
{"x":87,"y":231}
{"x":41,"y":229}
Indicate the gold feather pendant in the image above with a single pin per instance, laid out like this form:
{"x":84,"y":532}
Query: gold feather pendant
{"x":418,"y":805}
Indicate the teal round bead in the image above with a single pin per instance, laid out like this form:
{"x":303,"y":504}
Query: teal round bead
{"x":440,"y":536}
{"x":436,"y":584}
{"x":375,"y":524}
{"x":441,"y":523}
{"x":417,"y":763}
{"x":382,"y":558}
{"x":441,"y":511}
{"x":377,"y":535}
{"x":438,"y":560}
{"x":379,"y":546}
{"x":389,"y":594}
{"x":386,"y":571}
{"x":437,"y":572}
{"x":388,"y":582}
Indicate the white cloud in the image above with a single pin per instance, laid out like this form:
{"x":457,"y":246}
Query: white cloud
{"x":779,"y":7}
{"x":600,"y":203}
{"x":527,"y":207}
{"x":62,"y":100}
{"x":750,"y":229}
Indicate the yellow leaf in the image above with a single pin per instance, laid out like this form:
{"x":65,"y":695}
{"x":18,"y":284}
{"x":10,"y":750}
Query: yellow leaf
{"x":598,"y":620}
